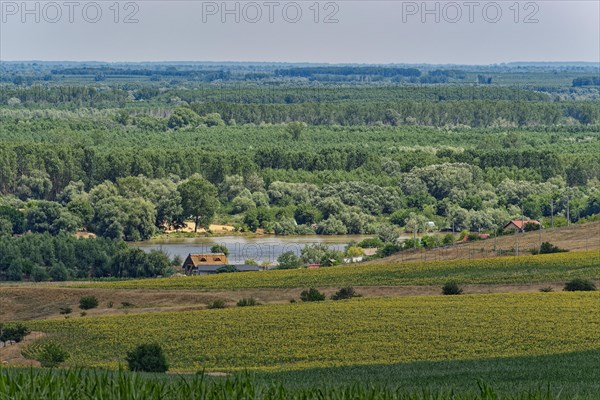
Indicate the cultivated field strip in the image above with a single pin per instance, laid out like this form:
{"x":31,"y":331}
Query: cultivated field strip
{"x":525,"y":269}
{"x":353,"y":332}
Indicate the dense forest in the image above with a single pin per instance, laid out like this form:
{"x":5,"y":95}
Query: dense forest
{"x":286,"y":152}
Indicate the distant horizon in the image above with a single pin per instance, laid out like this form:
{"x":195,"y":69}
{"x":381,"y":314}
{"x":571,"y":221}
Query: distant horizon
{"x":565,"y":62}
{"x":378,"y":32}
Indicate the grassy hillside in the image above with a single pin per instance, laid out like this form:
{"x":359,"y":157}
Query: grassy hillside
{"x":526,"y":269}
{"x":577,"y":237}
{"x":355,"y":332}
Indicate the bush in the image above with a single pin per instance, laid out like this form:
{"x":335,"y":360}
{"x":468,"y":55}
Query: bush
{"x":218,"y":303}
{"x":345,"y":293}
{"x":51,"y":355}
{"x":147,"y":358}
{"x":577,"y":285}
{"x":549,"y":248}
{"x":546,"y":289}
{"x":66,"y":310}
{"x":226,"y":269}
{"x":88,"y":302}
{"x":448,"y":239}
{"x":389,"y":249}
{"x":312,"y":294}
{"x":15,"y":333}
{"x":288,"y":260}
{"x":370,"y":243}
{"x":251,"y":301}
{"x":451,"y":288}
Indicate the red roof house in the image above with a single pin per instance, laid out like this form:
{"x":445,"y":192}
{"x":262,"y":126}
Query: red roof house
{"x":519,"y":224}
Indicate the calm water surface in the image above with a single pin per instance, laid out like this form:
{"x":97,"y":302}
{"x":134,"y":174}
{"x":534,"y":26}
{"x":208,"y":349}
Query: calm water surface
{"x":261,"y":249}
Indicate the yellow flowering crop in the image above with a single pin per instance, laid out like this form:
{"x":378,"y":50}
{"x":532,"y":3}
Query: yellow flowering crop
{"x":525,"y":269}
{"x":350,"y":332}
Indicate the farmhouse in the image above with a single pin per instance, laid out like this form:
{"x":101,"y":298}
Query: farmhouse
{"x":204,"y":264}
{"x":198,"y":263}
{"x":519,"y":225}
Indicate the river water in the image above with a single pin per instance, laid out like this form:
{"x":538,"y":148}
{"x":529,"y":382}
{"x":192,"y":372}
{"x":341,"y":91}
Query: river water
{"x":266,"y":248}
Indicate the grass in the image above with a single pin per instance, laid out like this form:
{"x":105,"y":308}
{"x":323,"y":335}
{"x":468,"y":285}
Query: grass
{"x":567,"y":374}
{"x":360,"y":331}
{"x":576,"y":237}
{"x":80,"y":383}
{"x":505,"y":270}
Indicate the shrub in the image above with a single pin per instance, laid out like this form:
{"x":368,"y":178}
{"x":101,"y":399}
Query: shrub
{"x":549,"y":248}
{"x":312,"y":294}
{"x":66,"y":310}
{"x":472,"y":237}
{"x":288,"y":260}
{"x":583,"y":285}
{"x":448,"y":239}
{"x":88,"y":302}
{"x":126,"y":304}
{"x":410,"y":244}
{"x":532,"y":226}
{"x":15,"y":333}
{"x":226,"y":269}
{"x":451,"y":288}
{"x":344,"y":293}
{"x":147,"y":358}
{"x":51,"y":355}
{"x":389,"y":249}
{"x":546,"y":289}
{"x":370,"y":243}
{"x":218,"y":303}
{"x":251,"y":301}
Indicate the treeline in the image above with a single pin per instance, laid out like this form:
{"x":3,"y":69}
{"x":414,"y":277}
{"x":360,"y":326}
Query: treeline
{"x":587,"y":81}
{"x":57,"y":96}
{"x":42,"y":257}
{"x":45,"y":169}
{"x":132,"y":93}
{"x":309,"y":72}
{"x":453,"y":113}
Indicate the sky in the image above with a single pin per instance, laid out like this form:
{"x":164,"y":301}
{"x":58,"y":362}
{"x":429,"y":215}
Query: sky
{"x":343,"y":31}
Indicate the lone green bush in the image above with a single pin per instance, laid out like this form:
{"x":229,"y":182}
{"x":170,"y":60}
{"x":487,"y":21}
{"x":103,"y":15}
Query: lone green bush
{"x":312,"y":294}
{"x":147,"y":358}
{"x":249,"y":302}
{"x":88,"y":302}
{"x":218,"y":303}
{"x":451,"y":288}
{"x":15,"y":333}
{"x":344,"y":293}
{"x":66,"y":310}
{"x":52,"y":355}
{"x":549,"y":248}
{"x":580,"y":285}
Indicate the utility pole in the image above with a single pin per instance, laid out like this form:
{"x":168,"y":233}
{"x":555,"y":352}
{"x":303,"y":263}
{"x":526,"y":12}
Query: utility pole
{"x":540,"y":237}
{"x":552,"y":213}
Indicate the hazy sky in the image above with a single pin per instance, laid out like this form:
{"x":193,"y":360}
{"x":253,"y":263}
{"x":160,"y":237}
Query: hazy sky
{"x":466,"y":32}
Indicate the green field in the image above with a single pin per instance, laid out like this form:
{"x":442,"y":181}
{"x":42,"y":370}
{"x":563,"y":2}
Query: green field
{"x":526,"y":269}
{"x":563,"y":376}
{"x":367,"y":331}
